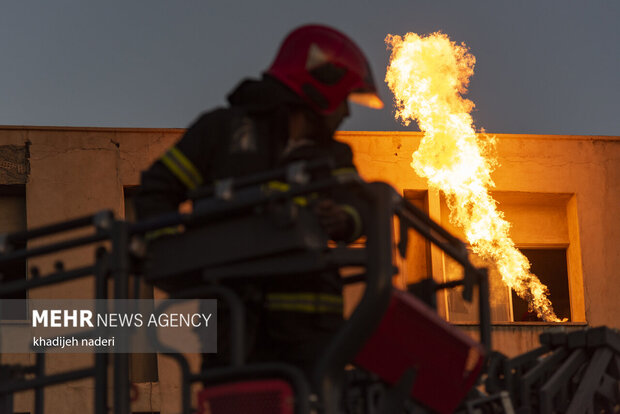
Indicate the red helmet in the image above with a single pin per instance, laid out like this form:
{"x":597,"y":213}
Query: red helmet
{"x":325,"y":68}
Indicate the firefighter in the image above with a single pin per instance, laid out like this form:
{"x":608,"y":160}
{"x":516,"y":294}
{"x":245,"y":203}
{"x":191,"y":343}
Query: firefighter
{"x":289,"y":114}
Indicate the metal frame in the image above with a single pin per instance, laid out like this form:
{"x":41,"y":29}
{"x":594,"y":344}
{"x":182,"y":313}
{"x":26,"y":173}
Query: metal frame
{"x":240,"y":195}
{"x":574,"y":372}
{"x":103,"y":224}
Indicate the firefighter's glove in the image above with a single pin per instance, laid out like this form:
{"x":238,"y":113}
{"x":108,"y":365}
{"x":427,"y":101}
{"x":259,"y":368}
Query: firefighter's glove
{"x":341,"y":222}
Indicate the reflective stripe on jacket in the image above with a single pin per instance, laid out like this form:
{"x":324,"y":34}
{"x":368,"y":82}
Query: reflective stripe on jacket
{"x":182,"y":168}
{"x":306,"y":302}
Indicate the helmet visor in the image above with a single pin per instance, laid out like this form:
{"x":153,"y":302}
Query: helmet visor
{"x":369,"y":99}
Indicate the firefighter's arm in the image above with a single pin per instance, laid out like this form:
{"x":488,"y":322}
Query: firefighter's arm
{"x":344,"y":208}
{"x":166,"y":183}
{"x":179,"y":170}
{"x":342,"y":222}
{"x":161,"y":191}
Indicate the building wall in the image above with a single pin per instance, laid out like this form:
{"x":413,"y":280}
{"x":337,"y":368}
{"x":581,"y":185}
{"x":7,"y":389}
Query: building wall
{"x":583,"y":167}
{"x":75,"y":172}
{"x":78,"y":171}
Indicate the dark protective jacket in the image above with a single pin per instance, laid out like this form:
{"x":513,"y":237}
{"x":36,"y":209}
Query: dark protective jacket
{"x":301,"y":312}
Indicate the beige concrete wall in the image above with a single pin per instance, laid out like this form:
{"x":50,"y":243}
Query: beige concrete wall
{"x":78,"y":171}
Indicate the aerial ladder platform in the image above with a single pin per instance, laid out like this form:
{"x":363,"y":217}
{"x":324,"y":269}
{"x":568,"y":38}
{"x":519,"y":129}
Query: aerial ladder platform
{"x":394,"y":354}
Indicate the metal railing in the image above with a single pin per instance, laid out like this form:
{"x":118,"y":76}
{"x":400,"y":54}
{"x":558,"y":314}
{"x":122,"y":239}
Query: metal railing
{"x":124,"y":255}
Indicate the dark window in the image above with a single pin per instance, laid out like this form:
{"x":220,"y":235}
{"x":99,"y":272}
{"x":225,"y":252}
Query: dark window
{"x":143,"y":367}
{"x":13,"y":219}
{"x":418,"y":249}
{"x":129,"y":193}
{"x":551,"y":268}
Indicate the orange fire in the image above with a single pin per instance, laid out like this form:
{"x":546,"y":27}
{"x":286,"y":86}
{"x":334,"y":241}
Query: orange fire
{"x":428,"y":75}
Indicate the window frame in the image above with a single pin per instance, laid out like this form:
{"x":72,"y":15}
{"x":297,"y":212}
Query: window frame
{"x":437,"y":258}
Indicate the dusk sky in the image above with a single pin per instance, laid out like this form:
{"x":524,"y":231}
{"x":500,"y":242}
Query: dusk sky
{"x":543,"y":67}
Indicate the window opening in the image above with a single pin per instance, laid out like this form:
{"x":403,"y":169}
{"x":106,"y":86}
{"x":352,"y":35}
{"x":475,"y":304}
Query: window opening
{"x":551,"y":268}
{"x":12,"y":219}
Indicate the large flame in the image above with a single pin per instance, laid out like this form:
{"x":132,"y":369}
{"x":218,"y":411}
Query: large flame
{"x":428,"y":75}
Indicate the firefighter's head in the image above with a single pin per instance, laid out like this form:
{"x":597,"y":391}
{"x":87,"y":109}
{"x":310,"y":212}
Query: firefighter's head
{"x":326,"y":69}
